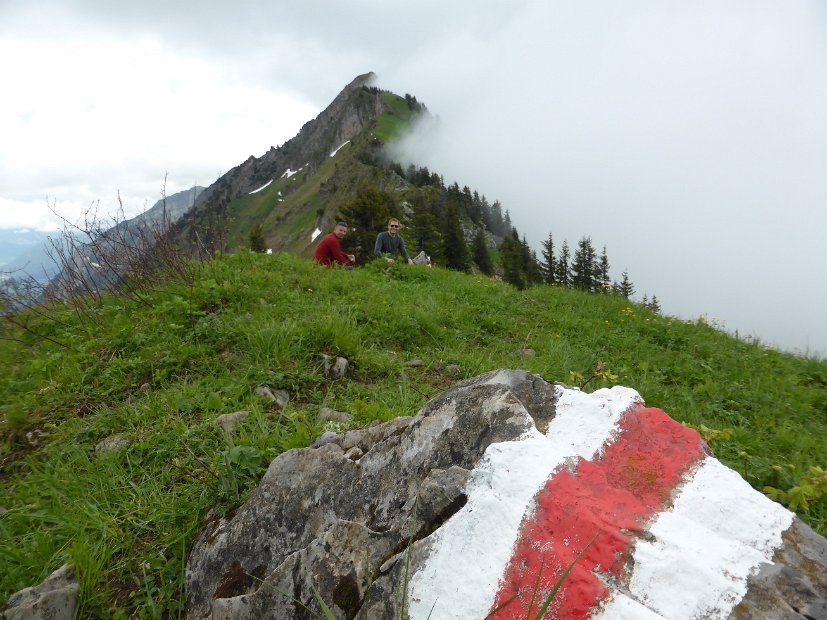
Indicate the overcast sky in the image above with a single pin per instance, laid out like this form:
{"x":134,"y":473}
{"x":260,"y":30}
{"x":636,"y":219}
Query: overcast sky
{"x":689,"y":137}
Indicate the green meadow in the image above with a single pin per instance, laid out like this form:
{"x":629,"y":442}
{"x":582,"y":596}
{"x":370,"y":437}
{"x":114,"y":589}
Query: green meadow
{"x":158,"y":371}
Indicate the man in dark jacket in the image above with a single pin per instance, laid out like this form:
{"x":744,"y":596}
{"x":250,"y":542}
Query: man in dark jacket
{"x":329,"y":250}
{"x":390,"y":242}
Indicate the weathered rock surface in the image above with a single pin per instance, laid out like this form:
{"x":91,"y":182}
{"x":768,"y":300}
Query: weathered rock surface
{"x":362,"y":518}
{"x":794,"y":586}
{"x":321,"y":520}
{"x":54,"y":599}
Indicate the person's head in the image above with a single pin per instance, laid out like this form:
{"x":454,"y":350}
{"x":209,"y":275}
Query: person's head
{"x":340,"y":230}
{"x":393,"y":226}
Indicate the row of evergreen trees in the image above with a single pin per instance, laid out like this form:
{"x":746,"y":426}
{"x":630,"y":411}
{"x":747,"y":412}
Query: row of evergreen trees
{"x":437,"y":218}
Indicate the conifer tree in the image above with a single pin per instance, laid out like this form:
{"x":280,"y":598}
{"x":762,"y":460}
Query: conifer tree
{"x":626,"y":288}
{"x":498,"y":227}
{"x":423,"y":233}
{"x":454,"y":248}
{"x":603,"y":280}
{"x":531,"y":266}
{"x":583,"y":265}
{"x":549,"y":264}
{"x":366,"y":214}
{"x":480,"y":253}
{"x":257,"y":241}
{"x":512,"y":260}
{"x":563,"y":268}
{"x":654,"y":305}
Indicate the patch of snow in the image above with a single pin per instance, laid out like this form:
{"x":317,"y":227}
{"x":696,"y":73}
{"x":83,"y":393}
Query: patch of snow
{"x":261,"y":188}
{"x":336,"y":150}
{"x":289,"y":173}
{"x":315,"y":234}
{"x":269,"y":251}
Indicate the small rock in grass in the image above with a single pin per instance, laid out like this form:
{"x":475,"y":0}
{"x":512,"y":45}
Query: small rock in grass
{"x":279,"y":397}
{"x":329,"y":415}
{"x":229,"y":422}
{"x":55,"y":598}
{"x":335,"y":369}
{"x":455,"y":370}
{"x":114,"y":442}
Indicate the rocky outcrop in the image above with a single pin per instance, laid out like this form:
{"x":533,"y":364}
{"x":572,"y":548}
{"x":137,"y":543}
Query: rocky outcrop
{"x":322,"y":520}
{"x":503,"y":481}
{"x":346,"y":116}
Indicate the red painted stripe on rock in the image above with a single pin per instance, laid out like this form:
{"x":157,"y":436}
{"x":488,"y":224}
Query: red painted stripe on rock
{"x":617,"y":494}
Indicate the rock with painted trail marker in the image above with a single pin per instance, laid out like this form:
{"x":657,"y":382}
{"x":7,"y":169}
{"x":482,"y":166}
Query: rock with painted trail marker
{"x":487,"y":495}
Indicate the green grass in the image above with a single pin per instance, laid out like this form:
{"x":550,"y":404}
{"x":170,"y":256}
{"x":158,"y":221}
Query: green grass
{"x":127,"y":520}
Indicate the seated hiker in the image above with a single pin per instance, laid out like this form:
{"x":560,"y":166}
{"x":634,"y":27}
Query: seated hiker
{"x":329,"y":250}
{"x":390,"y":243}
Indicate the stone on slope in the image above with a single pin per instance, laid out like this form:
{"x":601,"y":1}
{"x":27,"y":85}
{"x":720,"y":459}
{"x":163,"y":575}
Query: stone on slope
{"x":497,"y":485}
{"x":54,"y":599}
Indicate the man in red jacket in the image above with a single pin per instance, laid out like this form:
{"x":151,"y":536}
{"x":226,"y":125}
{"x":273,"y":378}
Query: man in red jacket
{"x":330,"y":248}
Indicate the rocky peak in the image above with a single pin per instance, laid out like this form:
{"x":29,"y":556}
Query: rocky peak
{"x":353,"y":109}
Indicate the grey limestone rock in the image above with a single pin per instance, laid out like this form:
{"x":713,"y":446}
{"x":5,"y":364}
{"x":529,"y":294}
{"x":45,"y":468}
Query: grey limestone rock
{"x":54,"y":599}
{"x":329,"y":415}
{"x":279,"y":398}
{"x":229,"y":422}
{"x":342,"y":517}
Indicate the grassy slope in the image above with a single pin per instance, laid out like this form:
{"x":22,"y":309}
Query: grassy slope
{"x":127,"y":520}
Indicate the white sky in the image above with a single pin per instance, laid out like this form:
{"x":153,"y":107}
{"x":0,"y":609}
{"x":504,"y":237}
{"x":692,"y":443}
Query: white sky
{"x":688,"y":136}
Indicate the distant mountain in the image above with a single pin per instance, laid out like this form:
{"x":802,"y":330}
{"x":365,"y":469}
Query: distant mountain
{"x":23,"y":249}
{"x":99,"y":263}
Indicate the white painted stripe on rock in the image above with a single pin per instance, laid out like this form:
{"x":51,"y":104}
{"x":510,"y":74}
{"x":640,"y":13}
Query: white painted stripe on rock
{"x":718,"y":533}
{"x":469,"y":553}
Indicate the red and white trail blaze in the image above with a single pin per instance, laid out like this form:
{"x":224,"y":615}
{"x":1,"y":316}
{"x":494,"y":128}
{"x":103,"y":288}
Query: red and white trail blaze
{"x":677,"y":533}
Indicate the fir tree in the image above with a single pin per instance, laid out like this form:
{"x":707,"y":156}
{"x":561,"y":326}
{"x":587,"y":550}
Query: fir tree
{"x":497,"y":225}
{"x":423,"y":232}
{"x":626,"y":288}
{"x":583,"y":266}
{"x":480,"y":253}
{"x":366,"y":214}
{"x":549,"y":264}
{"x":454,"y":248}
{"x":531,"y":266}
{"x":654,"y":305}
{"x":563,"y":268}
{"x":257,"y":240}
{"x":512,"y":260}
{"x":603,"y":280}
